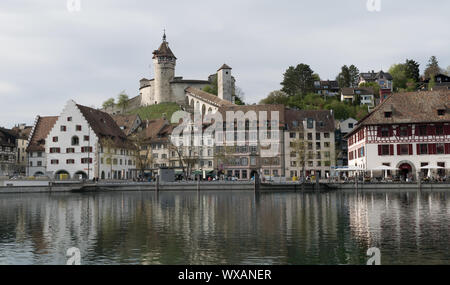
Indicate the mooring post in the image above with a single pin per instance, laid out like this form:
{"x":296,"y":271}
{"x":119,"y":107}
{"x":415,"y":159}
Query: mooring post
{"x":419,"y":181}
{"x":317,"y":182}
{"x":157,"y":183}
{"x":256,"y":182}
{"x":198,"y":183}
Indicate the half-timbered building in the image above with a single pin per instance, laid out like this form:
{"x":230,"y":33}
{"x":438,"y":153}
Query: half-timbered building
{"x":409,"y":132}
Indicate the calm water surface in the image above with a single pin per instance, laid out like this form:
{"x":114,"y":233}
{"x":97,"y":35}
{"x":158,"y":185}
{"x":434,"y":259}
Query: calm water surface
{"x":225,"y":228}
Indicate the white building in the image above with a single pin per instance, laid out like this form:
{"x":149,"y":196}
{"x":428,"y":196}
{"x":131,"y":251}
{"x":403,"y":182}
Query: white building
{"x":37,"y":159}
{"x":409,"y":132}
{"x":166,"y":87}
{"x":86,"y":143}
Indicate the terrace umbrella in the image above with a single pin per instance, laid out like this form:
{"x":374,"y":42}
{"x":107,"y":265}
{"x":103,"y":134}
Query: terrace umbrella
{"x":384,"y":168}
{"x":430,"y":167}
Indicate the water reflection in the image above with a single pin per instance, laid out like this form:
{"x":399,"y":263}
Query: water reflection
{"x":225,"y":228}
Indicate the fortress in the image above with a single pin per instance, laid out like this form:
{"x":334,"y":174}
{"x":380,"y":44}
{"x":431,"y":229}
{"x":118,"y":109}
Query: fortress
{"x":166,"y":87}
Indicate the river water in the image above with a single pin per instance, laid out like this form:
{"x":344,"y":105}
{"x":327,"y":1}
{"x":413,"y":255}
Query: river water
{"x":226,"y":228}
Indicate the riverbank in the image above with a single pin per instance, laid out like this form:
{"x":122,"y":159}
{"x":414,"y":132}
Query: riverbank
{"x":85,"y":187}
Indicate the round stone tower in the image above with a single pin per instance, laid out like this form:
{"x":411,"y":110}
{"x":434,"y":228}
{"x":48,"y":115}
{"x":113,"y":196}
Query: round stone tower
{"x":164,"y":62}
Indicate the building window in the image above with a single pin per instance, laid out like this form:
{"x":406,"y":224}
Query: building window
{"x":441,"y":112}
{"x":292,"y":135}
{"x":422,"y":149}
{"x":422,"y":131}
{"x":86,"y":160}
{"x":55,"y":139}
{"x":63,"y":128}
{"x":439,"y":130}
{"x":388,"y":114}
{"x":326,"y":135}
{"x":55,"y":150}
{"x":78,"y":128}
{"x":69,"y":119}
{"x":75,"y":140}
{"x":310,"y":136}
{"x":385,"y":132}
{"x":86,"y":138}
{"x":310,"y":123}
{"x":385,"y":150}
{"x":403,"y":131}
{"x":39,"y":154}
{"x":70,"y":161}
{"x":440,"y":148}
{"x":86,"y":149}
{"x":70,"y":150}
{"x":54,"y":161}
{"x":317,"y":136}
{"x":403,"y":149}
{"x":39,"y":163}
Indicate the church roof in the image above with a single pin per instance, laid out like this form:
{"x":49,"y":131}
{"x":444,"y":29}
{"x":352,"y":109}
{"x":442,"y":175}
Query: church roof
{"x":224,"y":66}
{"x":207,"y":97}
{"x":164,"y":51}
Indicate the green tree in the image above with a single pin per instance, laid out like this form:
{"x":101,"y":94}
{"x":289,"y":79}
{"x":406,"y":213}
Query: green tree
{"x":344,"y":77}
{"x":354,"y":75}
{"x":109,"y":104}
{"x":213,"y":87}
{"x":276,"y":97}
{"x":432,"y":67}
{"x":398,"y":72}
{"x":412,"y":70}
{"x":299,"y":79}
{"x":123,"y":101}
{"x":239,"y":96}
{"x":374,"y":86}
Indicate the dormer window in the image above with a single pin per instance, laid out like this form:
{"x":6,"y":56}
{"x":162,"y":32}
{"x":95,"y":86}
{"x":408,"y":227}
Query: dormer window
{"x":441,"y":112}
{"x":388,"y":114}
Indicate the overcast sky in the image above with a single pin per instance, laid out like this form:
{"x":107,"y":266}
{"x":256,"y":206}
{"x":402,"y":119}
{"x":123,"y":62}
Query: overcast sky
{"x":49,"y":55}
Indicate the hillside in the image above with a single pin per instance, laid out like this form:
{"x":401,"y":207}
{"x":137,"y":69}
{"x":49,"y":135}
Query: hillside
{"x":156,"y":111}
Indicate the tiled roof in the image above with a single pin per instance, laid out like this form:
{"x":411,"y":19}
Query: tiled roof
{"x":164,"y":51}
{"x":7,"y":137}
{"x":224,"y":66}
{"x":411,"y":107}
{"x":153,"y":128}
{"x":104,"y":126}
{"x":22,"y":133}
{"x":40,"y":132}
{"x":125,"y":122}
{"x":319,"y":116}
{"x":207,"y":97}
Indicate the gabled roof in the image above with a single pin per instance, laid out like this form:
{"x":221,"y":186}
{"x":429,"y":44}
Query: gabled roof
{"x":104,"y":126}
{"x":40,"y":131}
{"x":411,"y":107}
{"x":7,"y":137}
{"x":164,"y":51}
{"x":207,"y":97}
{"x":224,"y":66}
{"x":126,"y":122}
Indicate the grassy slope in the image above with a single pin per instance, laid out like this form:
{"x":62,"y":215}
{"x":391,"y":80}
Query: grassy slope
{"x":156,"y":111}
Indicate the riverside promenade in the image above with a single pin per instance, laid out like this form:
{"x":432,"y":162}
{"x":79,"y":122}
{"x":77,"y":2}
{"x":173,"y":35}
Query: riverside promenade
{"x":27,"y":186}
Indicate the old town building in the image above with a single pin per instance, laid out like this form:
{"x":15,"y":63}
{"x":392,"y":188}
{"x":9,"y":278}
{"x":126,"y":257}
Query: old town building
{"x":409,"y":132}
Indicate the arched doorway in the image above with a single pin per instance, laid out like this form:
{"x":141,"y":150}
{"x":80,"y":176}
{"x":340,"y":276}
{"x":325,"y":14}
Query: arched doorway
{"x":80,"y":175}
{"x":103,"y":175}
{"x":254,"y":173}
{"x":62,"y":175}
{"x":406,"y":170}
{"x":38,"y":174}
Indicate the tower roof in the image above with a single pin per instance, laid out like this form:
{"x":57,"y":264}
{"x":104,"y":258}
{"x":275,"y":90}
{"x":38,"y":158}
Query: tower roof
{"x":224,"y":66}
{"x":164,"y":49}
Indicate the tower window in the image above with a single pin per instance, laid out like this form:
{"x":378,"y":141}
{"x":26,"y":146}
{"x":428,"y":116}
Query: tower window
{"x":441,"y":112}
